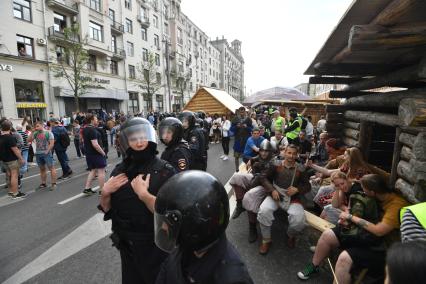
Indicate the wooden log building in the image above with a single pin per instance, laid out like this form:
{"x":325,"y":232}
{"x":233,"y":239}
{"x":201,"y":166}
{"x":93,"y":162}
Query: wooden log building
{"x":380,"y":45}
{"x":213,"y":101}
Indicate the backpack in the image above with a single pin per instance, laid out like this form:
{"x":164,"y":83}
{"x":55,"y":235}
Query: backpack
{"x":64,"y":139}
{"x":364,"y":207}
{"x":304,"y":123}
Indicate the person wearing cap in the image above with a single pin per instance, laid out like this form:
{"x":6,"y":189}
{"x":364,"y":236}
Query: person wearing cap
{"x":60,"y":148}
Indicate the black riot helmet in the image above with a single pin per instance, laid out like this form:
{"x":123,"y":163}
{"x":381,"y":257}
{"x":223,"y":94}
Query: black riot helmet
{"x":191,"y":212}
{"x":201,"y":114}
{"x":170,"y":129}
{"x":187,"y":118}
{"x":134,"y":130}
{"x":199,"y":122}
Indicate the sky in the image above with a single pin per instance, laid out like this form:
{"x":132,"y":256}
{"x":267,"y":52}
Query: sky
{"x":279,"y":38}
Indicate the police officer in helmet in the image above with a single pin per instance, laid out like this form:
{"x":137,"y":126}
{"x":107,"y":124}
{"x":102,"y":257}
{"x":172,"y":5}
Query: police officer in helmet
{"x":177,"y":151}
{"x":191,"y":216}
{"x":129,"y":207}
{"x":195,"y":137}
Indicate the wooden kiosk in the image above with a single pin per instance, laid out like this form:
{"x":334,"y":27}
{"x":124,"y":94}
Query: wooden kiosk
{"x":377,"y":46}
{"x":213,"y":101}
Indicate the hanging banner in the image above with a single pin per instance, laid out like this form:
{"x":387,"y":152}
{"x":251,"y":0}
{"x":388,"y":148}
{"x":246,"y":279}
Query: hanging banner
{"x":31,"y":105}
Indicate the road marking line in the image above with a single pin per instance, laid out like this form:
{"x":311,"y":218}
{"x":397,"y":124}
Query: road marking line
{"x":76,"y":196}
{"x":93,"y":230}
{"x":28,"y":177}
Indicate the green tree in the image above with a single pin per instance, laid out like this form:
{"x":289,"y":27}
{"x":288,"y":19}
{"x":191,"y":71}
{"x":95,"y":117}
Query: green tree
{"x":72,"y":62}
{"x":149,"y":76}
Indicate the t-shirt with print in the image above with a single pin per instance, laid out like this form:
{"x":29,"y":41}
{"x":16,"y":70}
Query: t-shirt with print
{"x":391,"y":207}
{"x":42,"y":139}
{"x":7,"y":141}
{"x":91,"y":133}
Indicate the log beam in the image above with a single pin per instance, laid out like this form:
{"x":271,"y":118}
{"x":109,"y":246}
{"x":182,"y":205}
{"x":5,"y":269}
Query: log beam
{"x":365,"y":135}
{"x":335,"y":108}
{"x":406,"y":171}
{"x":352,"y":69}
{"x":334,"y":117}
{"x":419,"y":147}
{"x":354,"y":134}
{"x":333,"y":80}
{"x":407,"y":190}
{"x":334,"y":94}
{"x":351,"y":125}
{"x":412,"y":112}
{"x":407,"y":139}
{"x":380,"y":118}
{"x":388,"y":99}
{"x":350,"y":142}
{"x":406,"y":153}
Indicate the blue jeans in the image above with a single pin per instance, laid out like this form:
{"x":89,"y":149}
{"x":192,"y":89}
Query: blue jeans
{"x":63,"y":160}
{"x":24,"y":167}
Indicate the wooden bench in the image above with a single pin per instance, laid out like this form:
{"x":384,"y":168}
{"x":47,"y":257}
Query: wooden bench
{"x":313,"y":220}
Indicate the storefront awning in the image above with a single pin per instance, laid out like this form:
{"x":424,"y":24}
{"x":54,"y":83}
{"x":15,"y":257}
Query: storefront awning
{"x":115,"y":94}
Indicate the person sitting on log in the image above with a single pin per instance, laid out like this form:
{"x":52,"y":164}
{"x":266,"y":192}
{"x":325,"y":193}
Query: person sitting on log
{"x":285,"y":183}
{"x":364,"y":242}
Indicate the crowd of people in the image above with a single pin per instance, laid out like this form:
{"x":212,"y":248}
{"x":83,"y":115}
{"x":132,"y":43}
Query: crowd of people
{"x":158,"y":205}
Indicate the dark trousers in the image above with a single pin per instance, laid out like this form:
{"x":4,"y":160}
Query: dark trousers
{"x":63,"y":160}
{"x":140,"y":262}
{"x":225,"y":145}
{"x":30,"y":154}
{"x":77,"y":147}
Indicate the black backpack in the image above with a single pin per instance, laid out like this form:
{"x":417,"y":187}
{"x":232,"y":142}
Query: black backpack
{"x":64,"y":139}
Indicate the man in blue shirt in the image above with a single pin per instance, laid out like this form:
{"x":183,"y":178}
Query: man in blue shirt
{"x":252,"y":146}
{"x":61,"y":149}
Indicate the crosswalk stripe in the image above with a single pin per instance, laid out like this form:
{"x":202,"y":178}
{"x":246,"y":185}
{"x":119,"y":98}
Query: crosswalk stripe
{"x":76,"y":196}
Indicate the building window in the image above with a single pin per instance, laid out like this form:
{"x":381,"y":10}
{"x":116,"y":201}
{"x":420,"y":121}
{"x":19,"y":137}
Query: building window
{"x":22,"y":9}
{"x":159,"y":100}
{"x":59,"y":22}
{"x":112,"y":14}
{"x":114,"y":67}
{"x":155,"y":21}
{"x":143,"y":13}
{"x":179,"y":36}
{"x":147,"y":102}
{"x":158,"y":76}
{"x":145,"y":54}
{"x":128,"y":4}
{"x":91,"y":62}
{"x":132,"y":72}
{"x":61,"y":57}
{"x":144,"y":34}
{"x":133,"y":104}
{"x":157,"y":41}
{"x":95,"y":31}
{"x":129,"y":26}
{"x":95,"y":5}
{"x":130,"y":49}
{"x":25,"y":46}
{"x":114,"y":43}
{"x":166,"y":28}
{"x":157,"y":59}
{"x":28,"y":91}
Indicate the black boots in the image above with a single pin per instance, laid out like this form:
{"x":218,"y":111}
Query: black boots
{"x":238,"y":210}
{"x":252,"y":233}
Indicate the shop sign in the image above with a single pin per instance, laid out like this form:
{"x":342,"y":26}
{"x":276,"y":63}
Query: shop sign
{"x":6,"y":67}
{"x":31,"y":105}
{"x":95,"y":80}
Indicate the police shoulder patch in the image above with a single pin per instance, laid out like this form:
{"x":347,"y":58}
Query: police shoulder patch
{"x":194,"y":139}
{"x":182,"y":164}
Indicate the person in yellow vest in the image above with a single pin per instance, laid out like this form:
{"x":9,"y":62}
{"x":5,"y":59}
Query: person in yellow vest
{"x":413,"y":223}
{"x":277,"y":122}
{"x":294,"y":126}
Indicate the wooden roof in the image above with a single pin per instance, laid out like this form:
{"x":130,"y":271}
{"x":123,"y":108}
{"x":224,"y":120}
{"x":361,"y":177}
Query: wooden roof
{"x":212,"y":101}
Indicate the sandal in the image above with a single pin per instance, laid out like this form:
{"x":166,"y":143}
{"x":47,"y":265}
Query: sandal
{"x":41,"y":186}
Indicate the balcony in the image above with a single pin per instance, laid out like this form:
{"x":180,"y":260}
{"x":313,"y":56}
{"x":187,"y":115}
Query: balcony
{"x":180,"y":41}
{"x":55,"y":35}
{"x":117,"y":28}
{"x":64,"y":5}
{"x":119,"y":54}
{"x":172,"y":55}
{"x":144,"y":20}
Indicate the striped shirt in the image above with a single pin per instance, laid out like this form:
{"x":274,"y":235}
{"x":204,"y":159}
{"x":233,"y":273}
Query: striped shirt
{"x":24,"y":136}
{"x":411,"y":229}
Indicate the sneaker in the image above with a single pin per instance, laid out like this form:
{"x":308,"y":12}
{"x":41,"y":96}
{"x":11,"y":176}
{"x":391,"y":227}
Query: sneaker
{"x":225,"y":158}
{"x":217,"y":142}
{"x":88,"y":191}
{"x":53,"y":187}
{"x":62,"y":177}
{"x":222,"y":156}
{"x":10,"y":194}
{"x":18,"y":195}
{"x":68,"y":175}
{"x":308,"y":271}
{"x":41,"y":186}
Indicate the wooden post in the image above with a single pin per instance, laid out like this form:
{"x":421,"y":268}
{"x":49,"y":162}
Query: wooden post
{"x":412,"y":112}
{"x":365,"y":135}
{"x":388,"y":99}
{"x":397,"y":147}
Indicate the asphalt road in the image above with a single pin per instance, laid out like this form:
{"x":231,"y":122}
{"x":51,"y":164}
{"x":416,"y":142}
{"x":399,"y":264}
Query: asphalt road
{"x":59,"y":236}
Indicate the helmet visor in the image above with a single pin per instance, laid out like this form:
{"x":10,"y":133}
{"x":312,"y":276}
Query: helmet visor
{"x":135,"y":134}
{"x":167,"y":229}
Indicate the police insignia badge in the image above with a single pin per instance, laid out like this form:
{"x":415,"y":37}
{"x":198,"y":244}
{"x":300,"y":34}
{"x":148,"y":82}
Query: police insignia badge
{"x":193,"y":139}
{"x":182,"y":164}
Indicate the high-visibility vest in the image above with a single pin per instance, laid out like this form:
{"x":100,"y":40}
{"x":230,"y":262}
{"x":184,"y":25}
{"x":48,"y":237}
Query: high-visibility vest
{"x":418,"y":210}
{"x":279,"y":123}
{"x":294,"y":133}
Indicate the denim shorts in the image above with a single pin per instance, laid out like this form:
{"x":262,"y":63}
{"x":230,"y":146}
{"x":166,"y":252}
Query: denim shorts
{"x":45,"y":160}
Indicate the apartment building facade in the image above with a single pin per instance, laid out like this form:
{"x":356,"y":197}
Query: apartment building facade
{"x":120,"y":34}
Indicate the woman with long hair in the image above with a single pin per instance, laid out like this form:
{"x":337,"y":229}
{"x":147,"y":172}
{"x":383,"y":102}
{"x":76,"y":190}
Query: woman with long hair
{"x":225,"y":126}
